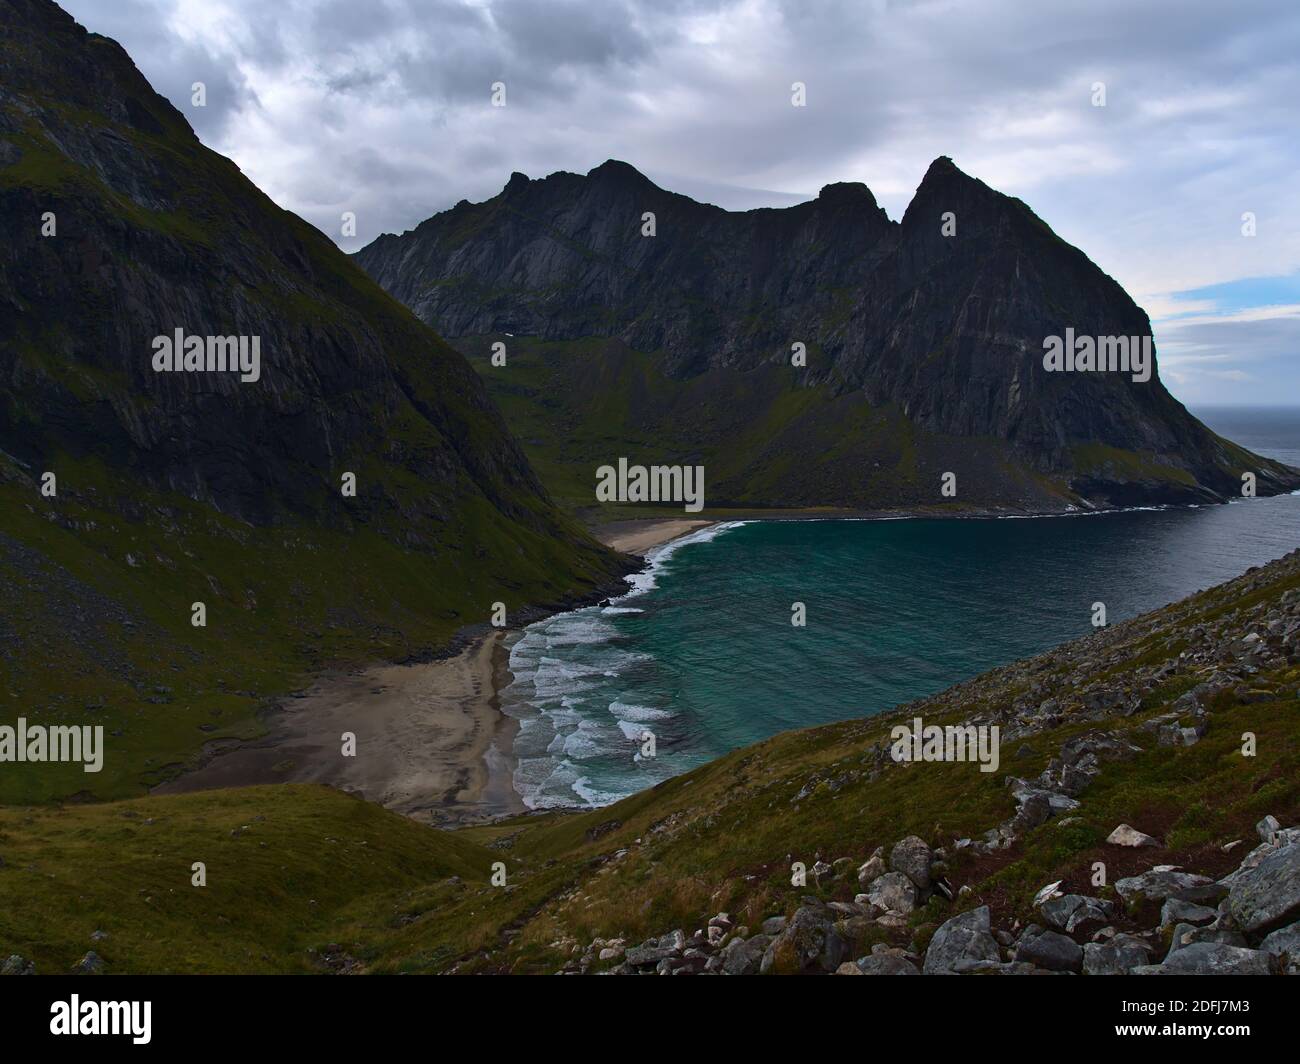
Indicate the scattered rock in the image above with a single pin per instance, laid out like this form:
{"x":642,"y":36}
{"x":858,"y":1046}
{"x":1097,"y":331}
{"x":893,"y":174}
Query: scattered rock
{"x":91,"y":964}
{"x":1127,"y":836}
{"x":1284,"y":944}
{"x":16,"y":965}
{"x":1116,"y":957}
{"x":893,"y":892}
{"x":1176,"y":911}
{"x":1268,"y":895}
{"x":1076,"y":913}
{"x":744,"y":956}
{"x":886,"y":964}
{"x":647,"y":954}
{"x":1051,"y":950}
{"x":873,"y":867}
{"x":963,"y":938}
{"x":810,"y":940}
{"x":912,"y":857}
{"x":1211,"y":958}
{"x":1162,"y":882}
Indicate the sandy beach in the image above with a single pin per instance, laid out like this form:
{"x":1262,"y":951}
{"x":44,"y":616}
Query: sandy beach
{"x":431,"y":740}
{"x":640,"y":537}
{"x":426,"y":737}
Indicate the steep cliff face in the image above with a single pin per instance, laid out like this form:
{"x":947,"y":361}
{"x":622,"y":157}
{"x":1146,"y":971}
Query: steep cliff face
{"x":941,"y":326}
{"x":564,"y":257}
{"x":153,"y":232}
{"x":951,"y":328}
{"x":127,"y":494}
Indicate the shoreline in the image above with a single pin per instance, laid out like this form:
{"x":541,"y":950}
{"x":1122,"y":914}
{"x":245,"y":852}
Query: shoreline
{"x":432,"y":742}
{"x":642,"y":535}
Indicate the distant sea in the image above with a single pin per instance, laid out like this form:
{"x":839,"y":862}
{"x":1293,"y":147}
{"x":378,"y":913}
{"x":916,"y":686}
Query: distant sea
{"x":702,"y":652}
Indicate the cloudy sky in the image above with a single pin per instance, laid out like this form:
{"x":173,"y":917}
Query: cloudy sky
{"x":383,"y":108}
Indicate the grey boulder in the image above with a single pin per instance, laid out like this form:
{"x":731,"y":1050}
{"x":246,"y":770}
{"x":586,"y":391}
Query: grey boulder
{"x":1212,"y":958}
{"x":964,"y":938}
{"x":893,"y":891}
{"x":1077,"y":913}
{"x":1177,"y":911}
{"x":913,"y":858}
{"x":1051,"y":950}
{"x":809,"y":941}
{"x":1160,"y":883}
{"x":744,"y":956}
{"x":1116,"y":957}
{"x":1284,"y":944}
{"x":1269,"y":894}
{"x":886,"y":964}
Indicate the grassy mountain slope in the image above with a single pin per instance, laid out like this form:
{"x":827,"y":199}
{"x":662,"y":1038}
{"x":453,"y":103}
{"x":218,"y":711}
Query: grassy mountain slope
{"x":116,"y":226}
{"x":720,"y":838}
{"x":760,"y":435}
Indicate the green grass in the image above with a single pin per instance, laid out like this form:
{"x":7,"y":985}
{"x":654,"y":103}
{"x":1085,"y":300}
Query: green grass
{"x":764,"y":439}
{"x":1100,"y":460}
{"x":286,"y":869}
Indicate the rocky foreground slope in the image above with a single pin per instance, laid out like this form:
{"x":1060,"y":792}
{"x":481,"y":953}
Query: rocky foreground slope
{"x":924,"y":345}
{"x":1091,"y":706}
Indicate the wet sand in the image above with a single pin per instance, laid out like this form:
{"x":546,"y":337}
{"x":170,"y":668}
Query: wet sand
{"x":431,"y":741}
{"x":640,"y":537}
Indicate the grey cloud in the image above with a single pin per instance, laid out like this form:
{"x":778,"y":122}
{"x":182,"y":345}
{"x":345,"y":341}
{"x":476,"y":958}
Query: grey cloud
{"x":1231,"y":360}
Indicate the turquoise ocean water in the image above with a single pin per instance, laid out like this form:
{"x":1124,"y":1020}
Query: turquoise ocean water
{"x":702,"y":652}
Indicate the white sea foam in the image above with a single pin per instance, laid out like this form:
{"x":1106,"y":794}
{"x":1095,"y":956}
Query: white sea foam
{"x":594,"y":797}
{"x":631,"y":730}
{"x":656,"y":559}
{"x":584,"y":743}
{"x":623,"y":711}
{"x":559,"y":664}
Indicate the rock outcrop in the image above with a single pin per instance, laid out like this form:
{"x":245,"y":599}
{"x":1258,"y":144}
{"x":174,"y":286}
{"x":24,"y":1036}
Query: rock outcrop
{"x":939,"y":330}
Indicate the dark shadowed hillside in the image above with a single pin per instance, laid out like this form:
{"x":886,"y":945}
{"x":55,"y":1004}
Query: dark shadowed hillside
{"x":169,"y":488}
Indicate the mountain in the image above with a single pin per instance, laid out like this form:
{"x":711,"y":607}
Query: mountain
{"x":924,"y":349}
{"x":930,"y":864}
{"x":118,"y":228}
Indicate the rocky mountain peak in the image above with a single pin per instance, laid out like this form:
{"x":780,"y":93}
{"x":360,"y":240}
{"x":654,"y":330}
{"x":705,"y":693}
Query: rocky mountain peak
{"x":848,"y":193}
{"x":615,"y":171}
